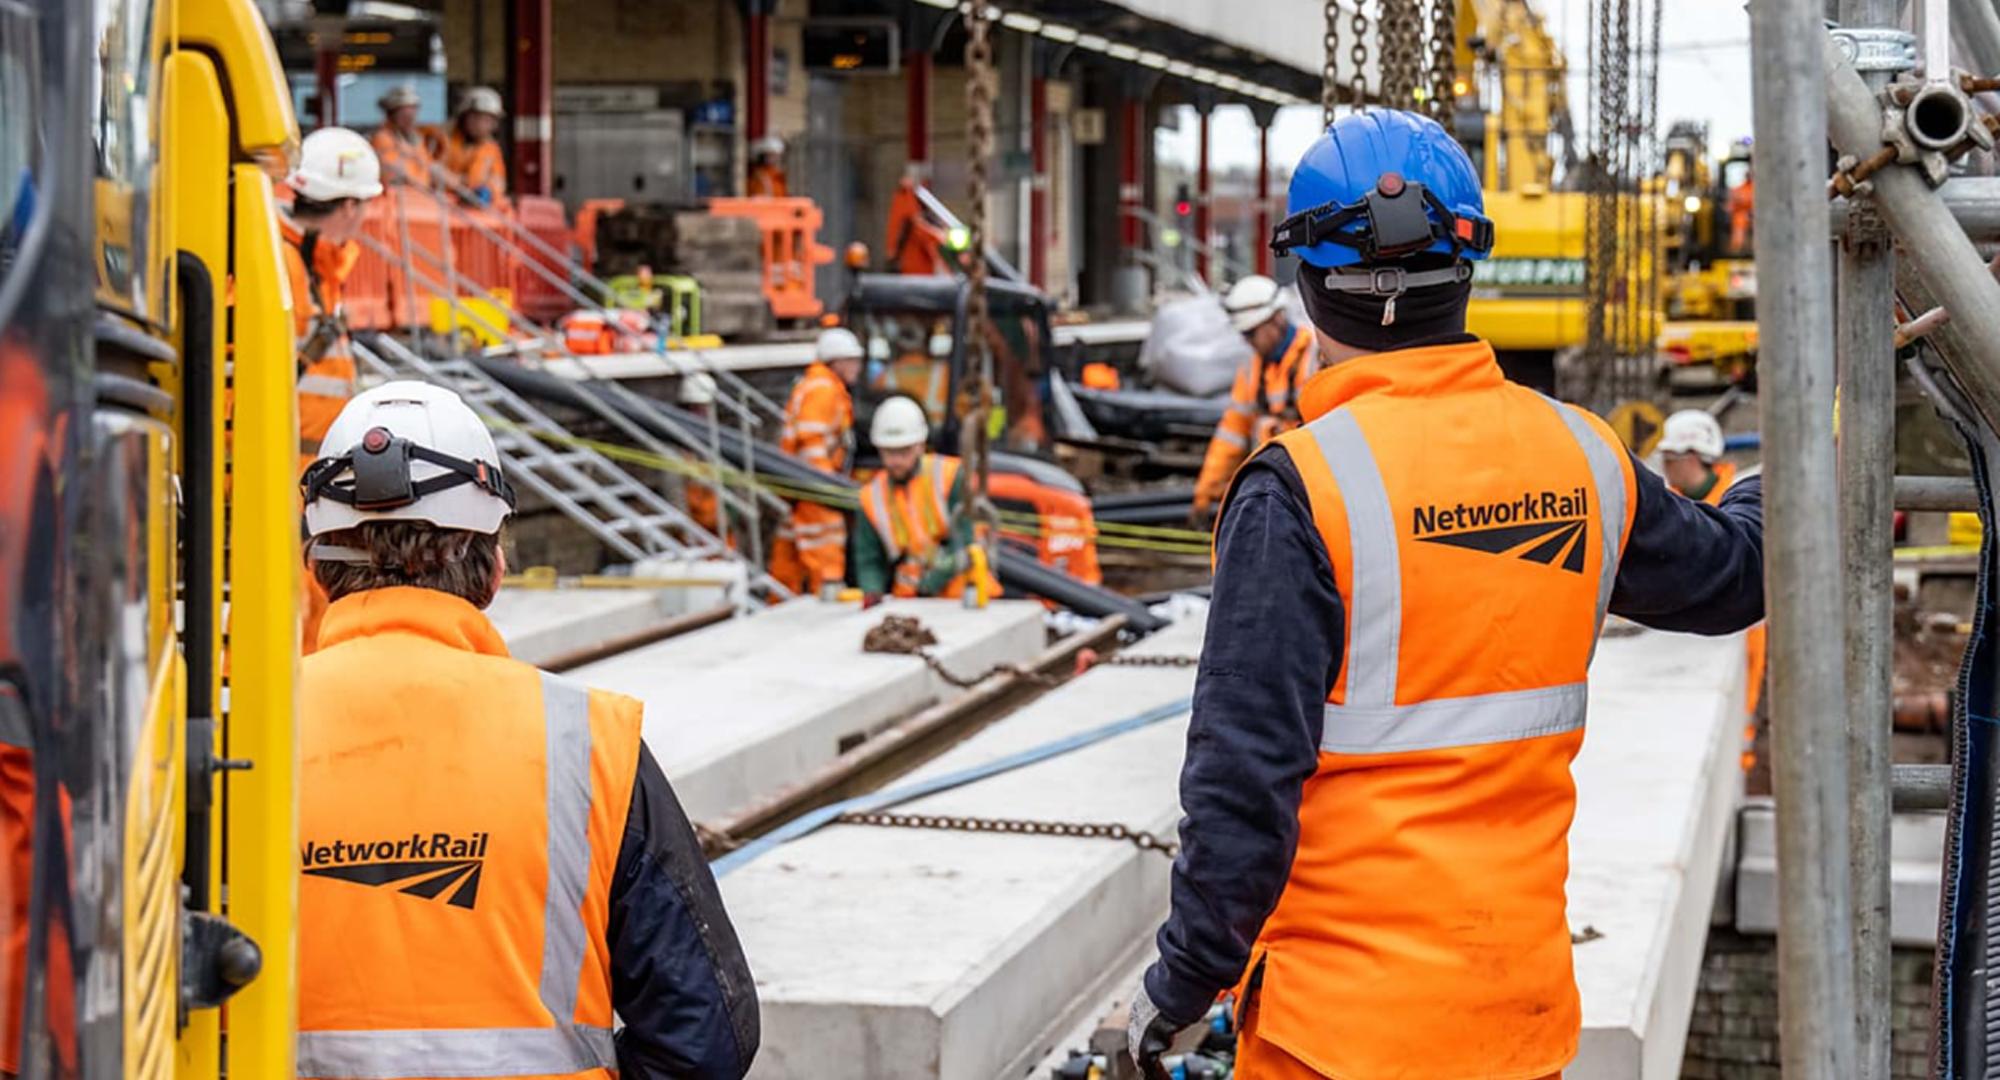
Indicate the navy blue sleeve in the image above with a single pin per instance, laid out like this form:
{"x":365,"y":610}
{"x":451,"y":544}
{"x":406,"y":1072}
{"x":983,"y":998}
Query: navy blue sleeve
{"x":1690,"y":566}
{"x":1271,"y":654}
{"x":678,"y":977}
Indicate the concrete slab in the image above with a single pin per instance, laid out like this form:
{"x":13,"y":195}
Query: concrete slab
{"x":1916,"y":874}
{"x":899,"y":954}
{"x":1657,"y":786}
{"x":741,"y":709}
{"x":540,"y":624}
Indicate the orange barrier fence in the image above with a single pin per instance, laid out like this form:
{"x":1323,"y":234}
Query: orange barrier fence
{"x":790,"y":229}
{"x":536,"y":296}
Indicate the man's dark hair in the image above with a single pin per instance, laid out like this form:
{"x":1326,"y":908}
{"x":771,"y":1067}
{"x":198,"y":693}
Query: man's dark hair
{"x":415,"y":553}
{"x":303,"y":207}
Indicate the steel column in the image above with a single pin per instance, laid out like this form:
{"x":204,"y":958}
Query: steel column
{"x":530,"y":86}
{"x":1131,"y":172}
{"x":1816,"y":1003}
{"x":1260,"y":241}
{"x":1932,"y":243}
{"x":1975,"y":25}
{"x":917,"y":109}
{"x":1866,"y":357}
{"x":1203,"y":189}
{"x":326,"y":77}
{"x":756,"y":71}
{"x":1038,"y":182}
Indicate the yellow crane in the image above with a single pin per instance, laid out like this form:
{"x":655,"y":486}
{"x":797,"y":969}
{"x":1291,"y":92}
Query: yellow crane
{"x":147,"y":377}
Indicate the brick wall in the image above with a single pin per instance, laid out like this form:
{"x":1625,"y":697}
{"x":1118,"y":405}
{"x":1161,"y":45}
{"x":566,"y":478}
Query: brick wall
{"x":1734,"y":1032}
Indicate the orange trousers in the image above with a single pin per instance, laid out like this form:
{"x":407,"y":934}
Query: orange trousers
{"x":811,"y":548}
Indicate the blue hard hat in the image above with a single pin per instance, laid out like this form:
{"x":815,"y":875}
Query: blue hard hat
{"x":1349,"y":202}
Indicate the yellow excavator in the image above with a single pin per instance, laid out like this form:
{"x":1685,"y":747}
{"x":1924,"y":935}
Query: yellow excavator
{"x":1711,"y":283}
{"x":1530,"y":298}
{"x":149,"y":563}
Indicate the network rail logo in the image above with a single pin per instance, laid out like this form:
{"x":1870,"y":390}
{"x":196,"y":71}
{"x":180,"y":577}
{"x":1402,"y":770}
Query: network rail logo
{"x":423,"y":865}
{"x":1546,"y":527}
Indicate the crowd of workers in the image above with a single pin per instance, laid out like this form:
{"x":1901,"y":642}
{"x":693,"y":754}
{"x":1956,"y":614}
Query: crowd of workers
{"x":1377,"y":782}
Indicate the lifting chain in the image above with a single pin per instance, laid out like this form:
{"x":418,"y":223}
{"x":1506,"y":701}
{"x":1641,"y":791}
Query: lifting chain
{"x":1329,"y":83}
{"x":1139,"y":838}
{"x":906,"y":635}
{"x":1400,"y":40}
{"x":974,"y":425}
{"x":1444,"y":59}
{"x":1358,"y":54}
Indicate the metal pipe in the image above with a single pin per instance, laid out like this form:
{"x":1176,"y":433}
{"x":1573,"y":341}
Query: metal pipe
{"x":637,"y":639}
{"x":1866,"y":311}
{"x":1974,"y":202}
{"x":1976,"y":25}
{"x":828,"y":780}
{"x":1921,"y":787}
{"x":1948,"y":493}
{"x":1933,"y":244}
{"x":1935,"y":17}
{"x":1816,"y":1002}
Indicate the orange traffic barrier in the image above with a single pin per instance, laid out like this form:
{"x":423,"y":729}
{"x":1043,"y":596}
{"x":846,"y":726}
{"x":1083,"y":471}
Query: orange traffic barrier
{"x":538,"y":297}
{"x":792,"y":250}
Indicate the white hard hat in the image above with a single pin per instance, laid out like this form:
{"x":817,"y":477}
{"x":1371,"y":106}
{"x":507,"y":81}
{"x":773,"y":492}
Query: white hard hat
{"x":1692,"y":431}
{"x":899,"y":422}
{"x":401,"y":97}
{"x":769,"y":144}
{"x":838,"y":343}
{"x":407,"y":451}
{"x":482,"y":99}
{"x":1251,"y":302}
{"x":697,"y":388}
{"x":336,"y":163}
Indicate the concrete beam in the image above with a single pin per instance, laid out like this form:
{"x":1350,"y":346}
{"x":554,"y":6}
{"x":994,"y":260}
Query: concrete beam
{"x":907,"y":954}
{"x":1916,"y":866}
{"x":542,"y":624}
{"x":740,"y":709}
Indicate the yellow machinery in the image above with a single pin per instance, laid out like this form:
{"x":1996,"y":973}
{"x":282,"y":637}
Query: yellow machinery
{"x":142,"y":301}
{"x":1711,"y":287}
{"x":1530,"y":297}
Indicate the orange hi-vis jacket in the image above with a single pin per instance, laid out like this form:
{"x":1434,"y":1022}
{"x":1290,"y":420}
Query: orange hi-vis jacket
{"x":1422,"y":931}
{"x":404,"y":160}
{"x":460,"y":816}
{"x":326,"y":383}
{"x":819,"y":430}
{"x":913,"y":520}
{"x":477,"y":165}
{"x":1263,"y":402}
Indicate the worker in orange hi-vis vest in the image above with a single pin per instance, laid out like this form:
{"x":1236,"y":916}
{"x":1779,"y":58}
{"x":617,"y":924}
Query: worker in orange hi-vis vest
{"x":471,"y":154}
{"x":767,"y":169}
{"x":811,"y":550}
{"x":496,"y":879}
{"x":697,"y":395}
{"x":399,"y":142}
{"x":1264,"y":401}
{"x":1408,"y":591}
{"x":1742,"y":215}
{"x":1691,"y":448}
{"x":338,"y":174}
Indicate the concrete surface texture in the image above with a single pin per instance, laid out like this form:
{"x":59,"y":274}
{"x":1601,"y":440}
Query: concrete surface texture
{"x":541,"y":624}
{"x":1657,"y":788}
{"x":736,"y":711}
{"x":1916,"y":873}
{"x":900,"y":954}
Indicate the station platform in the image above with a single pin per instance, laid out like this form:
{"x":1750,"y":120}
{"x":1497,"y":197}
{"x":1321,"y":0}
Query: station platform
{"x":943,"y":955}
{"x":738,"y":710}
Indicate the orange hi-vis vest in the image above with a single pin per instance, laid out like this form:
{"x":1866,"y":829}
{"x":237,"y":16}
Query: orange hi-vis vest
{"x":404,"y":160}
{"x":1474,"y":529}
{"x":476,"y":165}
{"x":1263,"y":402}
{"x":460,"y":816}
{"x":327,"y":382}
{"x":819,"y":420}
{"x":912,"y":519}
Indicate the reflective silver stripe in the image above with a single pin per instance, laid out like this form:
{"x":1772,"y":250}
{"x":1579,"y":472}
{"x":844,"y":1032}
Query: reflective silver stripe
{"x":456,"y":1052}
{"x":1375,"y":608}
{"x":1243,"y":408}
{"x":326,"y":386}
{"x":565,"y":1047}
{"x":875,"y":507}
{"x":1608,"y":476}
{"x":813,"y":427}
{"x":567,"y":707}
{"x":1446,"y":722}
{"x":822,"y":542}
{"x":818,"y":528}
{"x":1232,"y":438}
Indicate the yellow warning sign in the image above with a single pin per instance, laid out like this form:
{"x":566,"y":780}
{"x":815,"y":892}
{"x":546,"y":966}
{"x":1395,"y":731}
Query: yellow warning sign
{"x":1639,"y":424}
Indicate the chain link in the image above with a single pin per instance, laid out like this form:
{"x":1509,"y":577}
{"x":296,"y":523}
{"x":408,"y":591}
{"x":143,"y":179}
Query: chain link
{"x":1358,"y":52}
{"x":979,"y":88}
{"x":1444,"y":59}
{"x":1086,"y":830}
{"x":906,"y":635}
{"x":1329,"y":84}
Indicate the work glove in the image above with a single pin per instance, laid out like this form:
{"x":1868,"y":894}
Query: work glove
{"x":1149,"y":1036}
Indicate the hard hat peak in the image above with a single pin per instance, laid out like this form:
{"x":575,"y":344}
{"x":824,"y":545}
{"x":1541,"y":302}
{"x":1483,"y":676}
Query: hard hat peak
{"x":336,"y":163}
{"x":446,"y":439}
{"x":899,"y":422}
{"x":1692,"y":431}
{"x":1388,"y":154}
{"x":838,"y":343}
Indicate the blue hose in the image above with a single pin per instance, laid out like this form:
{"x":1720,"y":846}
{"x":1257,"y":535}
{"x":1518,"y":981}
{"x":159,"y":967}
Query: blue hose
{"x":880,"y":800}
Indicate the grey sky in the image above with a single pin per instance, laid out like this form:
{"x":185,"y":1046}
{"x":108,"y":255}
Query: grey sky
{"x":1704,"y":75}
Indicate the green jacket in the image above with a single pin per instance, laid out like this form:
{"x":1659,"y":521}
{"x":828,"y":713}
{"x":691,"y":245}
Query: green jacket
{"x":875,"y":574}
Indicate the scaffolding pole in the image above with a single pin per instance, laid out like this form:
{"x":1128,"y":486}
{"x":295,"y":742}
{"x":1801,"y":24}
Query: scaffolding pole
{"x":1933,"y":245}
{"x":1803,"y":580}
{"x":1866,"y":311}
